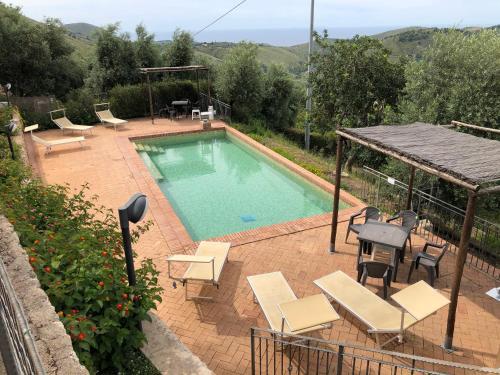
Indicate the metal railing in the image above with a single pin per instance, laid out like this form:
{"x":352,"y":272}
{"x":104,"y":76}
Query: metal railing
{"x":222,"y":110}
{"x":17,"y":345}
{"x":276,"y":353}
{"x":439,"y":221}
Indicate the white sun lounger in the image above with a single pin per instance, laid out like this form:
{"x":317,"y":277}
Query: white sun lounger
{"x":65,"y":124}
{"x":106,"y":117}
{"x":205,"y":265}
{"x":286,"y":313}
{"x":54,"y":142}
{"x":417,"y":302}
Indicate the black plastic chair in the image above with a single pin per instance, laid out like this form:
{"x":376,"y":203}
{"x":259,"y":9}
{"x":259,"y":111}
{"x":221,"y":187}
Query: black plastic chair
{"x":428,"y":261}
{"x":409,"y":221}
{"x":168,"y":112}
{"x":377,"y":270}
{"x":371,"y":213}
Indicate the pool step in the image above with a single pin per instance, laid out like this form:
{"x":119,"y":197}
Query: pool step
{"x":155,"y":172}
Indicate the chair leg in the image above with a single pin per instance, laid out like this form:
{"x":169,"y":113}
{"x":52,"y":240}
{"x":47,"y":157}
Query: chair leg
{"x":431,"y":272}
{"x":412,"y":267}
{"x":364,"y":277}
{"x":385,"y":287}
{"x":347,"y":234}
{"x":409,"y":240}
{"x":437,"y":271}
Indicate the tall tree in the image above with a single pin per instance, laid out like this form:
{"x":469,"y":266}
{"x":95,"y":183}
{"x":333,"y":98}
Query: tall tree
{"x":146,"y":51}
{"x":36,"y":57}
{"x":352,"y":82}
{"x":181,"y":51}
{"x":239,"y":81}
{"x":115,"y":60}
{"x":278,"y":99}
{"x":458,"y":78}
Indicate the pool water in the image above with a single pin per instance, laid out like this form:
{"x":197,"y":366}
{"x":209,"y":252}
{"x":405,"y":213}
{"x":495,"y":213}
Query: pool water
{"x":218,"y":184}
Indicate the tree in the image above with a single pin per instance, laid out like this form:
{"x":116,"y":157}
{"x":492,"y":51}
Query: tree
{"x":36,"y":57}
{"x":146,"y":51}
{"x":279,"y":104}
{"x":457,"y":79}
{"x":181,"y":51}
{"x":239,"y":81}
{"x":352,"y":82}
{"x":115,"y":63}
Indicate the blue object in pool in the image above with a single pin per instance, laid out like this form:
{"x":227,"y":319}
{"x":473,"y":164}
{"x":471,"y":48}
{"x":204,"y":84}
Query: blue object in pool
{"x":247,"y":218}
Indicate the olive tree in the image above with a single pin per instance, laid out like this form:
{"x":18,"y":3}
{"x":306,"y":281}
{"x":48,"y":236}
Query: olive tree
{"x":181,"y":51}
{"x":458,"y":78}
{"x":239,"y":81}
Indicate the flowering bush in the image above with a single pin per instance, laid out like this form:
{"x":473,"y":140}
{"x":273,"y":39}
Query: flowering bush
{"x":74,"y":246}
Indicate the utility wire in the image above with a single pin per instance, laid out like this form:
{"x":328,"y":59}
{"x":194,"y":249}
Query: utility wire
{"x":219,"y":18}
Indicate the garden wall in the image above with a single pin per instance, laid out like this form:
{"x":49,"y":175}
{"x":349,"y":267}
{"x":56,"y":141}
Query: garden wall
{"x":53,"y":344}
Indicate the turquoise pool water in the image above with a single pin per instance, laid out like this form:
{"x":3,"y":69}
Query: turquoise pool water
{"x":218,"y":185}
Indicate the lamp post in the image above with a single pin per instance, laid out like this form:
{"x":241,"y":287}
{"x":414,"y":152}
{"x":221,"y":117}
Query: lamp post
{"x":6,"y":89}
{"x":307,"y":132}
{"x":133,"y":211}
{"x":10,"y":128}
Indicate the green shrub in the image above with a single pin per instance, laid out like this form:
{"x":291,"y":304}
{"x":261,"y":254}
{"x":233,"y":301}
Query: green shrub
{"x":74,"y":247}
{"x":80,"y":107}
{"x":42,"y":119}
{"x":133,"y":100}
{"x":325,"y":143}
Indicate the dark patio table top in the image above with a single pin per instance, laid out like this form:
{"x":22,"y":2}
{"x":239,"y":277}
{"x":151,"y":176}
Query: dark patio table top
{"x":385,"y":234}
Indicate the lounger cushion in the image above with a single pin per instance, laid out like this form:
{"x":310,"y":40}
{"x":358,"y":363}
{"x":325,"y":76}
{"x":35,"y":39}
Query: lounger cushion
{"x":203,"y":271}
{"x":107,"y":116}
{"x":375,"y":312}
{"x":270,"y":290}
{"x":55,"y":142}
{"x":65,"y":123}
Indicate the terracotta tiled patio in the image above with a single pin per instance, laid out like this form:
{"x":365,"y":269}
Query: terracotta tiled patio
{"x":218,"y":332}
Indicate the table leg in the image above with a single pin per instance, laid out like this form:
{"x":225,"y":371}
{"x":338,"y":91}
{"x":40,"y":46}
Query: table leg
{"x":396,"y":263}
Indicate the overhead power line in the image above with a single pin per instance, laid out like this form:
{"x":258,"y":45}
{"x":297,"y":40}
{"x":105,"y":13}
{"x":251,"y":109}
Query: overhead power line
{"x":219,"y":18}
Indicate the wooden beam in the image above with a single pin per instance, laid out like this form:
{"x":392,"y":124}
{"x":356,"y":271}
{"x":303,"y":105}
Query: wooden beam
{"x":150,"y":100}
{"x":443,"y":175}
{"x":409,"y":198}
{"x":489,"y":190}
{"x":336,"y":194}
{"x":459,"y":268}
{"x":475,"y":127}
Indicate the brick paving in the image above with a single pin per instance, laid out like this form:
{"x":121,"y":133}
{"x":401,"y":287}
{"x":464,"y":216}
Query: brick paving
{"x":218,"y":332}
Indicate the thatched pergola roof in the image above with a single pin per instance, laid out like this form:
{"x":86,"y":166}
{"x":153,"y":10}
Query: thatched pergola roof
{"x":461,"y":158}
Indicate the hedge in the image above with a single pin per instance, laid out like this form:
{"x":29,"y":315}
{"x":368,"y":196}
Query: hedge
{"x":325,"y":143}
{"x":74,"y":247}
{"x":129,"y":101}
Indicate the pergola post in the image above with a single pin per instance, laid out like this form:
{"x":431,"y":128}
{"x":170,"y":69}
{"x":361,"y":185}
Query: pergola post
{"x":198,"y":84}
{"x":150,"y":99}
{"x":410,"y":188}
{"x":459,"y":267}
{"x":336,"y":194}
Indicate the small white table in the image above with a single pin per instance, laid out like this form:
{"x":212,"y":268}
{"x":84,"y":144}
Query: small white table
{"x":195,"y":113}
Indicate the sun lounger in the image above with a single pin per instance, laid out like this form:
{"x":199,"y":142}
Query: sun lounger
{"x":284,"y":312}
{"x":106,"y":117}
{"x":65,"y":124}
{"x":54,"y":142}
{"x":417,"y":302}
{"x":205,"y":265}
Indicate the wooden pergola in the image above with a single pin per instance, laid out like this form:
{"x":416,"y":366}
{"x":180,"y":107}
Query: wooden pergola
{"x":465,"y":160}
{"x":174,"y":69}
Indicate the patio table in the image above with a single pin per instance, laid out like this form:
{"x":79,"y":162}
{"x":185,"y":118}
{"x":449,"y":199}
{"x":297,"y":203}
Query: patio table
{"x":181,"y":103}
{"x":384,"y":234}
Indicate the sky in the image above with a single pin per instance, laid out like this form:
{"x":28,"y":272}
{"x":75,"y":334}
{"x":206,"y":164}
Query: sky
{"x":192,"y":15}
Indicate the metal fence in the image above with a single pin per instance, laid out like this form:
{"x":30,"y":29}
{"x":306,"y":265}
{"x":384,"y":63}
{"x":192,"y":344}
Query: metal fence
{"x":222,"y":110}
{"x":274,"y":353}
{"x":439,"y":221}
{"x":17,"y":345}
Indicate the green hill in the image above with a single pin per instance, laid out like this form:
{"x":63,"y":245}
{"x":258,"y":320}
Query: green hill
{"x":81,"y":30}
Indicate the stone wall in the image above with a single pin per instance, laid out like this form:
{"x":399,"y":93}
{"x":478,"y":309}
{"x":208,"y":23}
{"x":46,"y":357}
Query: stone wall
{"x":52,"y":342}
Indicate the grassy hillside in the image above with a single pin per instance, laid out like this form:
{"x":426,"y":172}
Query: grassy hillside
{"x":81,"y":30}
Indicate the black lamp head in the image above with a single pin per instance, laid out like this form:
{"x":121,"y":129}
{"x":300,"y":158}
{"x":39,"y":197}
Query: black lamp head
{"x":135,"y":208}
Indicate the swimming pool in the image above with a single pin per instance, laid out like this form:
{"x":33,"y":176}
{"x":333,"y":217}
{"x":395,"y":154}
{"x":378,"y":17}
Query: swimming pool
{"x":218,"y":184}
